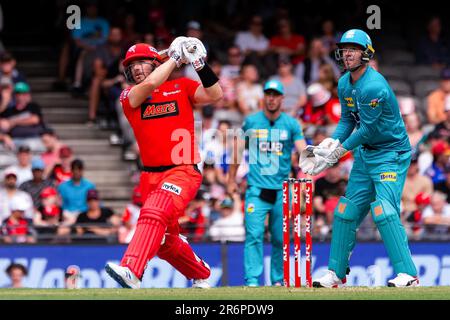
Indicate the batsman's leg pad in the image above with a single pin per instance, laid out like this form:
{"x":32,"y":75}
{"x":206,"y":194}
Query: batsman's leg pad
{"x":177,"y":251}
{"x":346,"y":216}
{"x":394,"y":236}
{"x":150,"y":229}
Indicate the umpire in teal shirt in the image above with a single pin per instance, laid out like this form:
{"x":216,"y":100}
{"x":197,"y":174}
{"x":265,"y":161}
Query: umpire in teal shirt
{"x":270,"y":137}
{"x":382,"y":155}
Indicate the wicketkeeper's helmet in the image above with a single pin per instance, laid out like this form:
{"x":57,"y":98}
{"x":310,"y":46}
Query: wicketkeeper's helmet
{"x":359,"y":38}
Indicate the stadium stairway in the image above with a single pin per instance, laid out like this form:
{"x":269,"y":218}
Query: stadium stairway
{"x":67,"y":116}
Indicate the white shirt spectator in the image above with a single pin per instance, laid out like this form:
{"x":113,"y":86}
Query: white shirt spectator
{"x":428,"y":212}
{"x":250,"y":94}
{"x":23,"y":173}
{"x":230,"y":228}
{"x":245,"y":40}
{"x":230,"y":71}
{"x":5,"y":203}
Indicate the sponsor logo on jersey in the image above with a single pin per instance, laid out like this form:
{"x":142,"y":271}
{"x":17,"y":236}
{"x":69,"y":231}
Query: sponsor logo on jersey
{"x":260,"y":133}
{"x":159,"y":110}
{"x":350,"y":102}
{"x":378,"y":210}
{"x":165,"y":94}
{"x":374,"y":103}
{"x":388,"y":176}
{"x":171,"y":188}
{"x":284,"y":135}
{"x":250,"y":208}
{"x":271,"y":146}
{"x":341,"y":207}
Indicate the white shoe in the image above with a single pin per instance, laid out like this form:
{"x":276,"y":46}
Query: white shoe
{"x":403,"y":280}
{"x":329,"y":280}
{"x":123,"y":276}
{"x":200,"y":283}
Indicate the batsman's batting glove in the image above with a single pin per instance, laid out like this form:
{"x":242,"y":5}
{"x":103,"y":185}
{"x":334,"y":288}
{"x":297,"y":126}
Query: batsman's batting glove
{"x":175,"y":51}
{"x":197,"y":57}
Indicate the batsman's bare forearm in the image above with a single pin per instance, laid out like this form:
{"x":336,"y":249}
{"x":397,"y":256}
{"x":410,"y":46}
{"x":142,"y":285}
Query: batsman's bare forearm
{"x":140,"y":92}
{"x":208,"y":95}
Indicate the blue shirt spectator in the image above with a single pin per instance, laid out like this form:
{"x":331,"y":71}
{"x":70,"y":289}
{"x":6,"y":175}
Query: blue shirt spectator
{"x":93,"y":30}
{"x":74,"y":191}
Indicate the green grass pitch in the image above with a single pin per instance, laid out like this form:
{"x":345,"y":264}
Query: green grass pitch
{"x":232,"y":293}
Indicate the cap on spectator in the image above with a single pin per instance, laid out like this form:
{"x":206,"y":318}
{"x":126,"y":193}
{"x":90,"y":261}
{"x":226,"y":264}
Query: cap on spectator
{"x":445,"y":74}
{"x":407,"y":105}
{"x":447,"y":102}
{"x":274,"y":85}
{"x":10,"y":172}
{"x":318,"y":94}
{"x":227,"y":203}
{"x":440,"y":147}
{"x":194,"y":25}
{"x":23,"y":148}
{"x":422,"y":199}
{"x":65,"y":152}
{"x":48,"y":192}
{"x":21,"y":87}
{"x":37,"y":164}
{"x":92,"y":195}
{"x":18,"y":204}
{"x":51,"y":211}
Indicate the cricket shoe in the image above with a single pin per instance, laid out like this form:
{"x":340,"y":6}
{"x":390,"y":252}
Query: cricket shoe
{"x":403,"y":280}
{"x":123,"y":276}
{"x":329,"y":280}
{"x":200,"y":284}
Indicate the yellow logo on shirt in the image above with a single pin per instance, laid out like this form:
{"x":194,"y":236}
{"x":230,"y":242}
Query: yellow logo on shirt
{"x":350,"y":102}
{"x":374,"y":103}
{"x":260,"y":133}
{"x":388,"y":176}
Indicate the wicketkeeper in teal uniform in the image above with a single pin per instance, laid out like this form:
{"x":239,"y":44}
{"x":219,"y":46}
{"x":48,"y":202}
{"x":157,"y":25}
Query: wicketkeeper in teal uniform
{"x":270,"y":137}
{"x":382,"y":156}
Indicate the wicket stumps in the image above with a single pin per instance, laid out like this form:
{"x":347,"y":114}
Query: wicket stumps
{"x":296,"y":212}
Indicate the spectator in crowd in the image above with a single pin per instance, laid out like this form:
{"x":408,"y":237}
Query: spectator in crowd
{"x":23,"y":122}
{"x":432,"y":48}
{"x":23,"y":166}
{"x":6,"y":94}
{"x":92,"y":34}
{"x":62,"y":171}
{"x":327,"y":78}
{"x":130,"y":216}
{"x":130,"y":33}
{"x":328,"y":190}
{"x":329,"y":36}
{"x":98,"y":221}
{"x":444,"y":186}
{"x":322,"y":109}
{"x":52,"y":145}
{"x":413,"y":220}
{"x":255,"y":45}
{"x":436,"y":101}
{"x":436,"y":217}
{"x":287,"y":42}
{"x":308,"y":70}
{"x":17,"y":228}
{"x":442,"y":130}
{"x":249,"y":91}
{"x":230,"y":225}
{"x":74,"y":191}
{"x":211,"y":183}
{"x":441,"y":152}
{"x":106,"y":65}
{"x":414,"y":129}
{"x":193,"y":223}
{"x":16,"y":273}
{"x":415,"y":183}
{"x":8,"y":194}
{"x":49,"y":216}
{"x":253,"y":41}
{"x":228,"y":86}
{"x":8,"y":68}
{"x":294,"y":88}
{"x":37,"y":184}
{"x":231,"y":70}
{"x":194,"y":29}
{"x":163,"y":35}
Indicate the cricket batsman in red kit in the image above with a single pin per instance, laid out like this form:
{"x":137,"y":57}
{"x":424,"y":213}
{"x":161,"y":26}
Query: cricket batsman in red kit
{"x":161,"y":115}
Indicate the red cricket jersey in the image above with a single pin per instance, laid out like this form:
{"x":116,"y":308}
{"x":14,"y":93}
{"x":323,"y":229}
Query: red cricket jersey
{"x":164,"y":124}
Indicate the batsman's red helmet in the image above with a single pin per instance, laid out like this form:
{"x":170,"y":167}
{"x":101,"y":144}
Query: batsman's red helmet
{"x":140,"y":51}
